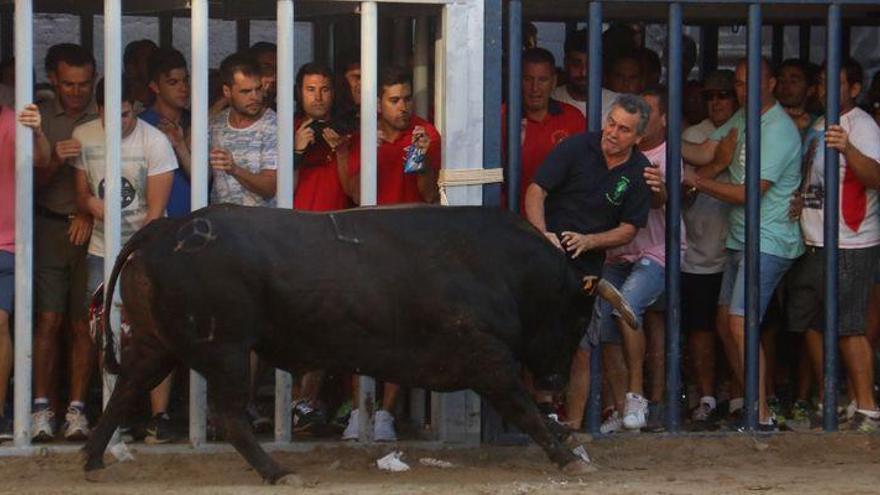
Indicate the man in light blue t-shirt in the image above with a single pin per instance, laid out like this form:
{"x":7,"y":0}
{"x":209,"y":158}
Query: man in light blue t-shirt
{"x":780,"y":236}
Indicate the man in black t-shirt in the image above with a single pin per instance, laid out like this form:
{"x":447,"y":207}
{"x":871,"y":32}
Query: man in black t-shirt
{"x":590,"y":195}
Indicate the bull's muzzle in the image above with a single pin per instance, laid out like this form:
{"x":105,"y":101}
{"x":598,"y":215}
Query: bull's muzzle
{"x":597,"y":286}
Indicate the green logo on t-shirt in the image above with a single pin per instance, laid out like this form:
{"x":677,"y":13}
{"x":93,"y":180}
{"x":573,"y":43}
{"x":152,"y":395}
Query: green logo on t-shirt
{"x":615,"y":197}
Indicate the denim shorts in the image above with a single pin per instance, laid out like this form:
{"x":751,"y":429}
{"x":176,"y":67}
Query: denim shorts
{"x":7,"y":281}
{"x":641,"y":284}
{"x":733,"y":288}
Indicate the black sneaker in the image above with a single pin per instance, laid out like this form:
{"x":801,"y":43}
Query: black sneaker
{"x":735,"y":420}
{"x":159,"y":430}
{"x":309,"y":419}
{"x":656,"y":417}
{"x":863,"y":423}
{"x":6,"y":432}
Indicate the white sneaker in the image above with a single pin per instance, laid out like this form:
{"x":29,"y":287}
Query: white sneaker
{"x":383,"y":427}
{"x":635,"y":413}
{"x":612,"y":423}
{"x":41,"y":429}
{"x":703,"y":412}
{"x":851,"y":409}
{"x":352,"y":432}
{"x":76,"y":425}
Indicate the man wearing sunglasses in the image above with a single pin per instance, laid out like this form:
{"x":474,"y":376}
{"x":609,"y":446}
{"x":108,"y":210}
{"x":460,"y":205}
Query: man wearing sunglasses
{"x":702,"y":265}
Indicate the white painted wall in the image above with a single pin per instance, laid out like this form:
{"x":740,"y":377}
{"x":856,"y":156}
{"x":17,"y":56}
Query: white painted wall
{"x":50,"y":29}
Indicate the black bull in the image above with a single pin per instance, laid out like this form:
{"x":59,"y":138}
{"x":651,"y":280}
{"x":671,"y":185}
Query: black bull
{"x":438,"y":298}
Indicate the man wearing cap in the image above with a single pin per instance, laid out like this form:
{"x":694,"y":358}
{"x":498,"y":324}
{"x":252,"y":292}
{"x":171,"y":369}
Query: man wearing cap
{"x":702,"y":266}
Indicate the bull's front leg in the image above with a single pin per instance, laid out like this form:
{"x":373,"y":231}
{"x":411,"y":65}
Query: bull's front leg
{"x":513,"y":402}
{"x":227,"y":378}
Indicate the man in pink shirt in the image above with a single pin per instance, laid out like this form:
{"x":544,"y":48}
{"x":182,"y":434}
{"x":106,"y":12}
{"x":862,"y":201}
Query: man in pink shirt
{"x":638,"y":270}
{"x":29,"y":117}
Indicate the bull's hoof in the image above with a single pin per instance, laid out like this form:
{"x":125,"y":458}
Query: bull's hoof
{"x":108,"y":474}
{"x":576,"y":439}
{"x":290,"y":480}
{"x":578,"y":468}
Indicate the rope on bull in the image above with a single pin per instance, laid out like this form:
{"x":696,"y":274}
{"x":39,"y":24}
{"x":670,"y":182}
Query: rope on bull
{"x":466,"y":177}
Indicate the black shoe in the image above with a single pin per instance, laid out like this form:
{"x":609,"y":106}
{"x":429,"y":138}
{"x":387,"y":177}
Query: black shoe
{"x":6,"y":432}
{"x":771,"y":427}
{"x":735,"y":420}
{"x":159,"y":430}
{"x":656,"y":417}
{"x":309,"y":419}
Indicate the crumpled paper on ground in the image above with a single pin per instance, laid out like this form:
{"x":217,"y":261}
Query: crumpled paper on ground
{"x":392,"y":462}
{"x":121,"y":452}
{"x":431,"y":462}
{"x":581,"y":452}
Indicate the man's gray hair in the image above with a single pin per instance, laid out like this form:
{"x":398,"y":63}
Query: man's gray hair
{"x":635,"y":105}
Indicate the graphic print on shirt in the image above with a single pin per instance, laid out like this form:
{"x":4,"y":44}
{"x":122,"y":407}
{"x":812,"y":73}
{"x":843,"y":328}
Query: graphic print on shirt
{"x":615,"y":196}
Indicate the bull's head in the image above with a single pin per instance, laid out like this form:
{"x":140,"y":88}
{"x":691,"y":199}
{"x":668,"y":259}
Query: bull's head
{"x":592,"y":286}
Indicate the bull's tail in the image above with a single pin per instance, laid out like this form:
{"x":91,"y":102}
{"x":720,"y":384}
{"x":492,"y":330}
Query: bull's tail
{"x":137,"y":241}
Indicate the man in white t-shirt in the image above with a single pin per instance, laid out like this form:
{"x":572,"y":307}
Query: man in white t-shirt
{"x":574,"y":91}
{"x":857,"y":138}
{"x":148,"y":164}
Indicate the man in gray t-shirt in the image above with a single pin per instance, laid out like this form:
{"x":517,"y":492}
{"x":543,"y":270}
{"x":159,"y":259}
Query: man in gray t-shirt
{"x":702,"y":265}
{"x":60,"y":239}
{"x":243,"y":138}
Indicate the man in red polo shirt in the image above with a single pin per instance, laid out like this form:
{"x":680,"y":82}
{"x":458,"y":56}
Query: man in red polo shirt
{"x":546,"y":122}
{"x":318,"y":186}
{"x":398,"y":131}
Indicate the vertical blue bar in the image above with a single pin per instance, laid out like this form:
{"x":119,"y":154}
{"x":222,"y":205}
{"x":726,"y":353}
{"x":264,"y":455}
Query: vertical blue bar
{"x":492,"y":97}
{"x":492,"y":426}
{"x":594,"y":123}
{"x":514,"y":102}
{"x":673,"y":220}
{"x":832,"y":199}
{"x":753,"y":215}
{"x":594,"y":51}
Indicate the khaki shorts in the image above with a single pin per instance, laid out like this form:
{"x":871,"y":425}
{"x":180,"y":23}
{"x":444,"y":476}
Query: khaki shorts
{"x":59,"y":269}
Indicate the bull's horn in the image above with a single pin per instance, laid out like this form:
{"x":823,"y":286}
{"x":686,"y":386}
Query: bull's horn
{"x":615,"y":298}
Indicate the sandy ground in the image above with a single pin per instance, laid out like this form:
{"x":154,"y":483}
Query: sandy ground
{"x":635,"y":464}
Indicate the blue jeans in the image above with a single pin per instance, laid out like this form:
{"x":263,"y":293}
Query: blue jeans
{"x":7,"y":282}
{"x":733,"y":287}
{"x":641,"y":284}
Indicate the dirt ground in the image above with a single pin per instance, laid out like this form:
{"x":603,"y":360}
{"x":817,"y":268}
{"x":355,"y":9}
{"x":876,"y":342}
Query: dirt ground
{"x":633,"y":464}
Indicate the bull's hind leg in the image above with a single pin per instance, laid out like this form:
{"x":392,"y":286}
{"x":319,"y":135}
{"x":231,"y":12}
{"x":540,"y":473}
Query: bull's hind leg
{"x":228,"y":384}
{"x":508,"y":395}
{"x":144,"y":368}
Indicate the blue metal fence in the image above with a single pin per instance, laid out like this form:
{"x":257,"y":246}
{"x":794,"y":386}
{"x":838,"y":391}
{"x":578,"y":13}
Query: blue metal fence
{"x":595,"y":19}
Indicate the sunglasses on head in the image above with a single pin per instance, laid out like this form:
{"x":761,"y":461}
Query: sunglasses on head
{"x":712,"y":94}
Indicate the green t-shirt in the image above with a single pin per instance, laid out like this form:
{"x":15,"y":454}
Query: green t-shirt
{"x":780,"y":165}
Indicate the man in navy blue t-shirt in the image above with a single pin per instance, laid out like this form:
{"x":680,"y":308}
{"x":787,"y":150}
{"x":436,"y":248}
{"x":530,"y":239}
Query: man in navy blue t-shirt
{"x":169,"y":80}
{"x":590,"y":195}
